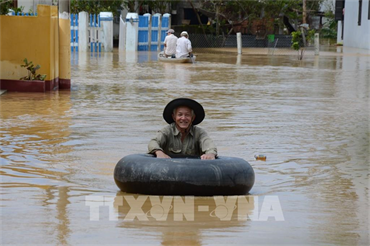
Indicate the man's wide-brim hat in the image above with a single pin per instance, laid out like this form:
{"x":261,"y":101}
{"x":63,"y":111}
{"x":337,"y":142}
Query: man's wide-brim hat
{"x":184,"y":33}
{"x":190,"y":103}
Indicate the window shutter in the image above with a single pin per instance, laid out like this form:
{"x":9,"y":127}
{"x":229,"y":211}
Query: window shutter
{"x":339,"y":5}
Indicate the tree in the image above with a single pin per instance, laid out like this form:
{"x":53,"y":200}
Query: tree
{"x":162,"y":6}
{"x":156,"y":6}
{"x":329,"y":29}
{"x":5,"y":5}
{"x":135,"y":5}
{"x":299,"y":40}
{"x":226,"y":15}
{"x":97,"y":6}
{"x":304,"y":12}
{"x":231,"y":13}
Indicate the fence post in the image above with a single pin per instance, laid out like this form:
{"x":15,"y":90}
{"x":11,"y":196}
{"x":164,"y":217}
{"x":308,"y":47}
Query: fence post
{"x":143,"y":32}
{"x":72,"y":32}
{"x":317,"y":44}
{"x":122,"y":34}
{"x":106,"y":19}
{"x":159,"y":31}
{"x":99,"y":34}
{"x":166,"y":23}
{"x":132,"y":29}
{"x":155,"y":32}
{"x":83,"y":39}
{"x":92,"y":31}
{"x":149,"y":30}
{"x":239,"y":42}
{"x":76,"y":32}
{"x":339,"y":32}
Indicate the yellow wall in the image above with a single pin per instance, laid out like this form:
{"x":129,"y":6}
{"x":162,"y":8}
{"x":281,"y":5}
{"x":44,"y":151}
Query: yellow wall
{"x":64,"y":49}
{"x":35,"y":38}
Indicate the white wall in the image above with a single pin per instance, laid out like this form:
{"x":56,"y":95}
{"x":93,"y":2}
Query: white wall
{"x":355,"y":35}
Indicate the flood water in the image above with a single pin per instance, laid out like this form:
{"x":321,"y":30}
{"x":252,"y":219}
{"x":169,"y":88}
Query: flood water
{"x":310,"y":118}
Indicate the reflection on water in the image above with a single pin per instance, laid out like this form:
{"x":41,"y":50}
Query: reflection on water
{"x":310,"y":118}
{"x":188,"y":218}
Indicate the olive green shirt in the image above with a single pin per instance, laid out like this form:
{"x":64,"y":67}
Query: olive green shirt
{"x":196,"y":143}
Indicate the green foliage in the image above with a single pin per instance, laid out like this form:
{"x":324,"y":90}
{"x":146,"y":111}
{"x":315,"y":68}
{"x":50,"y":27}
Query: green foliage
{"x":161,"y":6}
{"x":5,"y":5}
{"x":273,"y":9}
{"x":32,"y":75}
{"x":30,"y":11}
{"x":234,"y":12}
{"x":329,"y":29}
{"x":96,"y":6}
{"x":158,"y":6}
{"x":130,"y":5}
{"x":310,"y":35}
{"x":297,"y":39}
{"x":18,"y":10}
{"x":328,"y":33}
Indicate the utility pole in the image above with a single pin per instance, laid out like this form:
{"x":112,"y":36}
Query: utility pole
{"x":304,"y":14}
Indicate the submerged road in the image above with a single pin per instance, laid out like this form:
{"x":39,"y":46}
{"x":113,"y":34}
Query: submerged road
{"x":310,"y":118}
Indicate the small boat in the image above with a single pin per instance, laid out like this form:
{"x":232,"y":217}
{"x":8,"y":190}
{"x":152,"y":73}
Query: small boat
{"x":163,"y":58}
{"x":146,"y":174}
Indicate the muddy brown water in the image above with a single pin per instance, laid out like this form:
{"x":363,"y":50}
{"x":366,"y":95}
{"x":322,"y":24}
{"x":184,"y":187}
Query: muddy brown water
{"x":310,"y":118}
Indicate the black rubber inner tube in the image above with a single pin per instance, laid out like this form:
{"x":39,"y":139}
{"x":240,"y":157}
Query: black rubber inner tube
{"x":146,"y":174}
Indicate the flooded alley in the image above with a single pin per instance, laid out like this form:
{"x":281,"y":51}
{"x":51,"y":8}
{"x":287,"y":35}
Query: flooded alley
{"x":310,"y":118}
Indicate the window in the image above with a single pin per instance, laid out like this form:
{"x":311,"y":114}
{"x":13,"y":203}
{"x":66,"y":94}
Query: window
{"x":368,"y":11}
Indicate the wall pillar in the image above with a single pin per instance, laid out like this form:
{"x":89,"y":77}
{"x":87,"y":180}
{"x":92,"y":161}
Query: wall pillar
{"x":83,"y":36}
{"x":106,"y":20}
{"x":122,"y":34}
{"x":132,"y":30}
{"x":64,"y":53}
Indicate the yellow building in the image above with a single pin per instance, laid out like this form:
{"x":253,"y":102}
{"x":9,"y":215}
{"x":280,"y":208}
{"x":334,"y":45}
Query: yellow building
{"x":43,"y":39}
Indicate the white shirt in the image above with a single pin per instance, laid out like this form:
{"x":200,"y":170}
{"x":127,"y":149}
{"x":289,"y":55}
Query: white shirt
{"x":170,"y":42}
{"x":183,"y":47}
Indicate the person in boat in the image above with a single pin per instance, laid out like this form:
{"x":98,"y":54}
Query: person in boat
{"x":183,"y":47}
{"x":170,"y":44}
{"x":182,"y":137}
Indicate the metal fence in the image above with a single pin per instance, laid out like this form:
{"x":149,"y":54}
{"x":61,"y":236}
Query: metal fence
{"x":271,"y":44}
{"x":74,"y":32}
{"x":94,"y":29}
{"x":212,"y":41}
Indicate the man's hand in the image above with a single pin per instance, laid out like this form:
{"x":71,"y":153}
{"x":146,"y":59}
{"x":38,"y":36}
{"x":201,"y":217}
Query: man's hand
{"x":208,"y":157}
{"x":161,"y":154}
